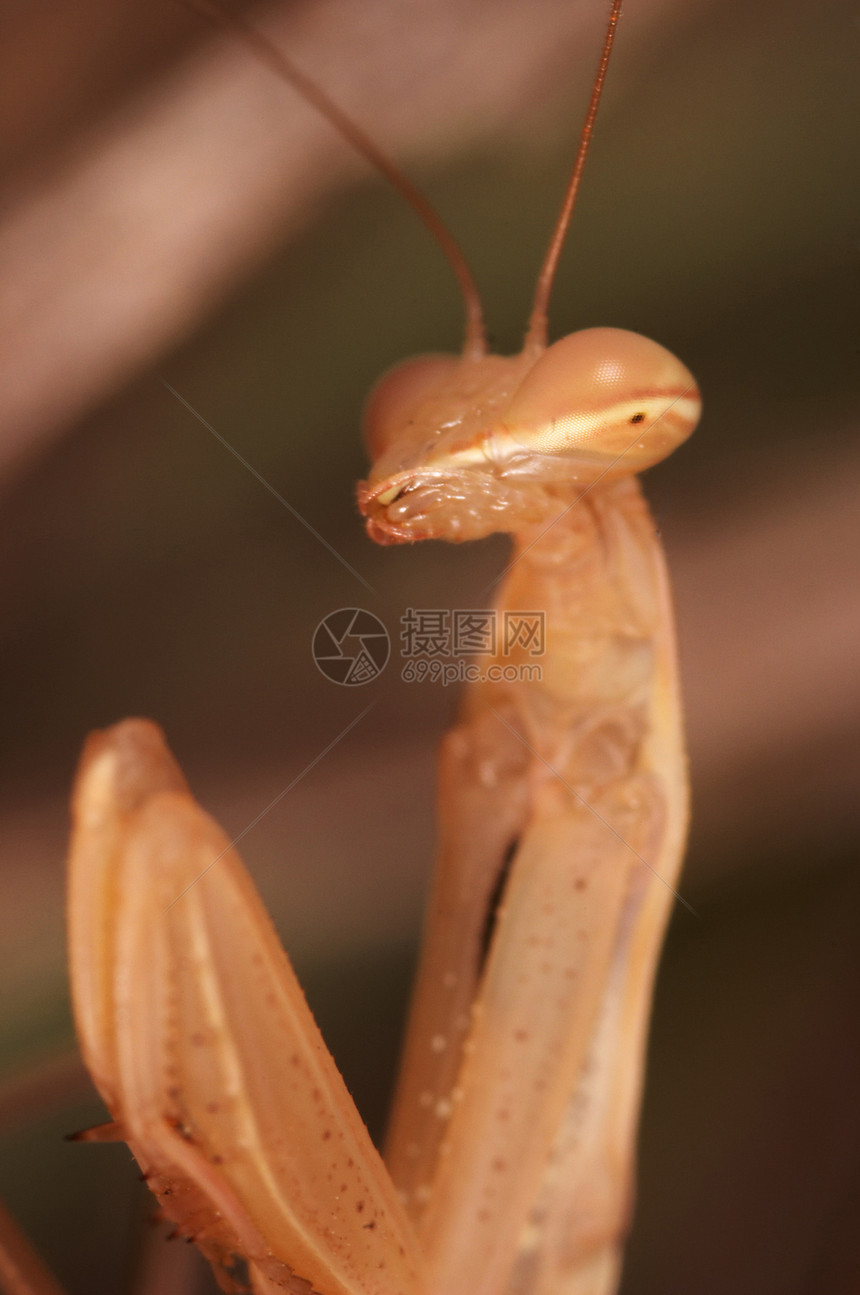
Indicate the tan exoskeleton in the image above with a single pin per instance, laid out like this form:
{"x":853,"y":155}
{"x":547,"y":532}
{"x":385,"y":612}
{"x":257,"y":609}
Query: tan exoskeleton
{"x":563,"y":813}
{"x":565,"y":797}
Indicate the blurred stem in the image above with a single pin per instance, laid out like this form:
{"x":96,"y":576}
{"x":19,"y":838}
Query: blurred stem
{"x":21,"y":1270}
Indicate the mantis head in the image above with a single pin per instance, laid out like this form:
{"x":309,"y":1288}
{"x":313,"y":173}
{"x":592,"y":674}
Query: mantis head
{"x":463,"y":447}
{"x":467,"y":446}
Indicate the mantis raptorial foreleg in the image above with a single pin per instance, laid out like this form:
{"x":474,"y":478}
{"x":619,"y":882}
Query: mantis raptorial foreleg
{"x":198,"y":1036}
{"x":599,"y":790}
{"x":481,"y":781}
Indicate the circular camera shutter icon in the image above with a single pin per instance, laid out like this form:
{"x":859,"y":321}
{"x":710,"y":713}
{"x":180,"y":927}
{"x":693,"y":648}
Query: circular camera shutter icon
{"x":351,"y":646}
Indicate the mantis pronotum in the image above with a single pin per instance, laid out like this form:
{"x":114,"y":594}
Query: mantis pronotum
{"x":509,"y":1159}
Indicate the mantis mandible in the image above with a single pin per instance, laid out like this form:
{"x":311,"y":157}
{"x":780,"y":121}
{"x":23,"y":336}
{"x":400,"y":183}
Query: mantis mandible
{"x":563,"y":808}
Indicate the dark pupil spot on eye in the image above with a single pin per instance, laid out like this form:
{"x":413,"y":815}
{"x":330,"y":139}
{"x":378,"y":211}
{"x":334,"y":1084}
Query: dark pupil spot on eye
{"x":638,"y":418}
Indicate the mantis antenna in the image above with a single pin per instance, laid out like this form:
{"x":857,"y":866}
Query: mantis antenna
{"x":475,"y":343}
{"x":536,"y":335}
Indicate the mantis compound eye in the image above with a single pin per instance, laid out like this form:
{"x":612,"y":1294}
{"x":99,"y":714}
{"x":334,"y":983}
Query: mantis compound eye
{"x":397,"y":393}
{"x":605,"y":396}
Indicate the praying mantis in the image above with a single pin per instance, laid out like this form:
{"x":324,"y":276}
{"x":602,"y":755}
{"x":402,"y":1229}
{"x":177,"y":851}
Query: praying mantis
{"x":564,"y":810}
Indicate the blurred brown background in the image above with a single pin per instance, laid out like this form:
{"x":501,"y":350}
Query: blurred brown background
{"x":171,"y":211}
